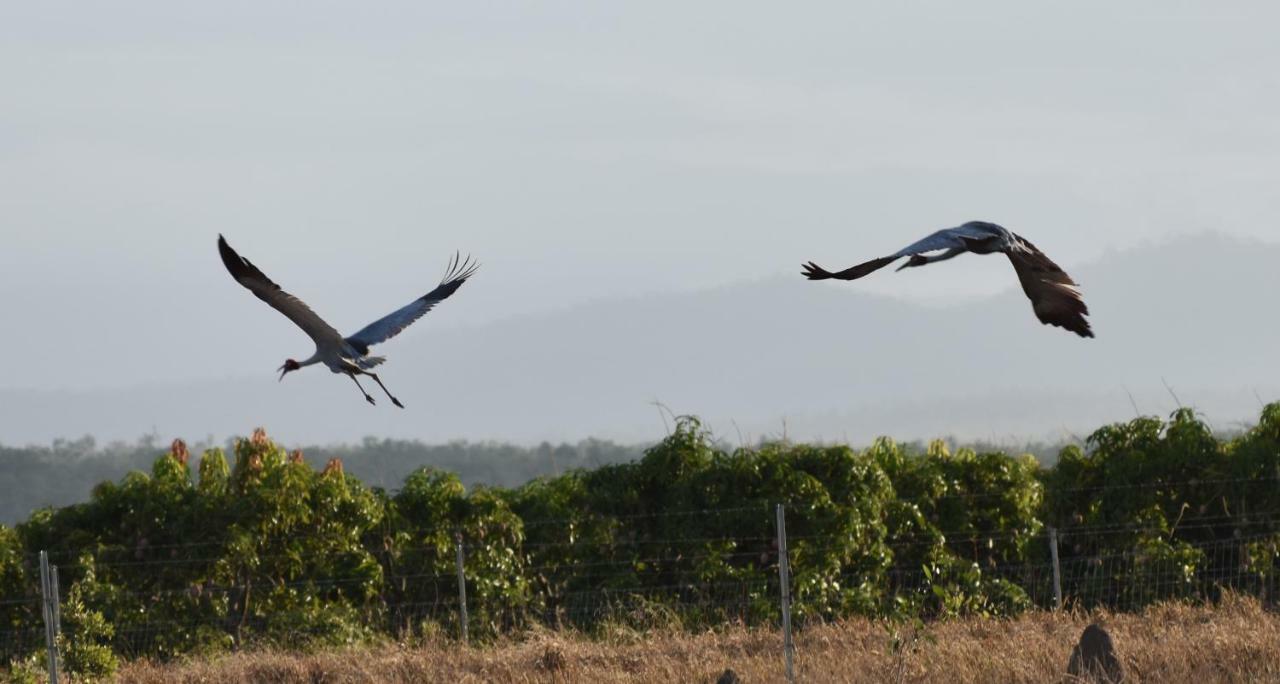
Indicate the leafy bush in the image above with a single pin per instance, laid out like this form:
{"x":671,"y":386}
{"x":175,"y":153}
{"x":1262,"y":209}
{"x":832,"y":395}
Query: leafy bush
{"x":271,"y":550}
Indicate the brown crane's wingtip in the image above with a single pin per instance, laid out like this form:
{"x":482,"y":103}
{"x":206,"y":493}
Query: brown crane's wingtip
{"x":1083,"y":330}
{"x":813,"y":271}
{"x":224,"y":248}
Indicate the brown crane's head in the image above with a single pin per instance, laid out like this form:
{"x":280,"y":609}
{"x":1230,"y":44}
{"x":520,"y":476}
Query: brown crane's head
{"x":289,"y":365}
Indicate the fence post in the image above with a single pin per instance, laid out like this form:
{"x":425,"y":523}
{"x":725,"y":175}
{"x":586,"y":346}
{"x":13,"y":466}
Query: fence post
{"x":462,"y":587}
{"x":1057,"y":573}
{"x":784,"y":578}
{"x":50,"y":627}
{"x":57,"y":600}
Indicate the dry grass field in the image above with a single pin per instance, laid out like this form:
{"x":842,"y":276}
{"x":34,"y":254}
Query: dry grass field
{"x":1237,"y":641}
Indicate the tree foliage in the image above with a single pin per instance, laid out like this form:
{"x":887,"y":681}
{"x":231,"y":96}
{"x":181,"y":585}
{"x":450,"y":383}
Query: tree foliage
{"x":258,"y":546}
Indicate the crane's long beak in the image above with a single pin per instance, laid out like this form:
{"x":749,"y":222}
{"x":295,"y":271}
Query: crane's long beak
{"x":283,"y":370}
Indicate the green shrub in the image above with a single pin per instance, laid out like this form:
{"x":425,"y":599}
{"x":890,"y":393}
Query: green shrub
{"x":272,"y":551}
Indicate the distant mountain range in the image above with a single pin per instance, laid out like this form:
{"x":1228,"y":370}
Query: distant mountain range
{"x":816,"y":360}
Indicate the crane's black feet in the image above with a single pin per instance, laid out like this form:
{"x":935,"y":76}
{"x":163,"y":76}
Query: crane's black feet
{"x":370,"y":400}
{"x":384,"y":388}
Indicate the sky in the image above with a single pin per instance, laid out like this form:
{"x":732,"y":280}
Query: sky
{"x":582,"y":152}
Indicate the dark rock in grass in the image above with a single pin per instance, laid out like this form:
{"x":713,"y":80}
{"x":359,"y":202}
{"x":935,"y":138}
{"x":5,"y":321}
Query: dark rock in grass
{"x":1094,"y":658}
{"x":729,"y":677}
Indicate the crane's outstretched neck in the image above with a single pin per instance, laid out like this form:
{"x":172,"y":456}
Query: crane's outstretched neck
{"x":290,"y":365}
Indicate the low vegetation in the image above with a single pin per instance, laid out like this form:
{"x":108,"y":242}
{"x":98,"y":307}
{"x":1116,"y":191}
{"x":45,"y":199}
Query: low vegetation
{"x":260,"y":550}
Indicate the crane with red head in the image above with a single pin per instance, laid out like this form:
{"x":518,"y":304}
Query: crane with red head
{"x":346,"y":355}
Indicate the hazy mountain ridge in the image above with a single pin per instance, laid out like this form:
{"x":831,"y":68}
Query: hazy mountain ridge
{"x":829,"y":360}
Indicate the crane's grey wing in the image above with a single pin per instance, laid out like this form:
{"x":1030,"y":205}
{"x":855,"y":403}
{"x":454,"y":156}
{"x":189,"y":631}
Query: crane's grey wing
{"x":261,"y":286}
{"x":1054,"y":296}
{"x":390,"y":325}
{"x":951,"y":238}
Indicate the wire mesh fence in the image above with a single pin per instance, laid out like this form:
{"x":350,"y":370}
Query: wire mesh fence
{"x":181,"y":601}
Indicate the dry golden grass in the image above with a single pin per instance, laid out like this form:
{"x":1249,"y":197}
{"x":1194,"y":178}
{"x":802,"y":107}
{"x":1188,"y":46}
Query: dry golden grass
{"x":1237,"y":641}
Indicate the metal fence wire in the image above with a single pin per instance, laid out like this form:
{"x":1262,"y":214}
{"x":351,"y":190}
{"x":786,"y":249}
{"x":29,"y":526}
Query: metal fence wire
{"x":172,"y":606}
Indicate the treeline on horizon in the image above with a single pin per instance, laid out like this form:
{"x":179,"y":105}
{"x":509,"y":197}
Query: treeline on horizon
{"x":257,"y":546}
{"x":66,"y":472}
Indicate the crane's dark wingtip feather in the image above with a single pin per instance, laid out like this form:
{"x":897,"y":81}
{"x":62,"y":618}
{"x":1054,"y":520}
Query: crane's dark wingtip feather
{"x":1077,"y":325}
{"x":233,"y":261}
{"x":815,"y":272}
{"x":1080,"y":326}
{"x":241,"y":268}
{"x":460,"y":269}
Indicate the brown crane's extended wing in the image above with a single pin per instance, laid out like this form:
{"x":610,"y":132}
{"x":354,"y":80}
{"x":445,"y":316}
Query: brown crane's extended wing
{"x":950,"y":238}
{"x":813,"y":271}
{"x":1054,"y":296}
{"x":261,"y":286}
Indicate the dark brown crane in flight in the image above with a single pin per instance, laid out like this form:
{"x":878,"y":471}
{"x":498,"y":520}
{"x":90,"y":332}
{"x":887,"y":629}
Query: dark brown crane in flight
{"x":1054,"y":296}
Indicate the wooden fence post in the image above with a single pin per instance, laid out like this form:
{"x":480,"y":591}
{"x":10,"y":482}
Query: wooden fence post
{"x":1057,"y":573}
{"x":784,"y":577}
{"x":49,"y":602}
{"x":462,"y":587}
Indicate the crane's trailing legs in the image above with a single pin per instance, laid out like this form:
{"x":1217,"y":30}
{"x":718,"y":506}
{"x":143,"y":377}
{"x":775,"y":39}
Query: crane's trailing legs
{"x":366,"y":394}
{"x":384,"y":388}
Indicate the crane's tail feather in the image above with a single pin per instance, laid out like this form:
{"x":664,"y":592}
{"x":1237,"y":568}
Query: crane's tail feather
{"x":367,"y":362}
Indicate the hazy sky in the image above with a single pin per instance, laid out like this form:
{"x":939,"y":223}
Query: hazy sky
{"x":581,"y":151}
